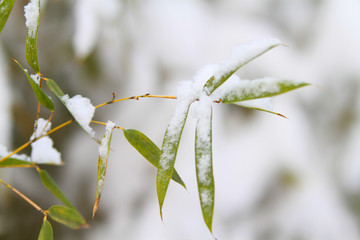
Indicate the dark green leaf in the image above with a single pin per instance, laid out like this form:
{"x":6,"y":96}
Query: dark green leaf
{"x":204,"y":169}
{"x":53,"y":188}
{"x":13,"y":162}
{"x":242,"y":55}
{"x":169,"y":150}
{"x":46,"y":232}
{"x":41,"y":96}
{"x":67,"y":216}
{"x":148,"y":150}
{"x":31,"y":42}
{"x":5,"y":9}
{"x":102,"y":166}
{"x":259,"y":88}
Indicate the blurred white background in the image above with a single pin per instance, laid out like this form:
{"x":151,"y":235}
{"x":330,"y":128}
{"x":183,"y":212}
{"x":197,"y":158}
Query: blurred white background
{"x":276,"y":178}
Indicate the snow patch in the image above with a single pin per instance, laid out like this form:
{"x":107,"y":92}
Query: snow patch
{"x":32,"y":13}
{"x":36,"y":78}
{"x":42,"y":127}
{"x":103,"y":148}
{"x":44,"y":152}
{"x":4,"y":152}
{"x":82,"y":110}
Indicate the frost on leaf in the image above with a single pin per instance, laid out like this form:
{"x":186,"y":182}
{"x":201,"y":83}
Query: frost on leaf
{"x":32,"y":12}
{"x":4,"y":152}
{"x":82,"y":110}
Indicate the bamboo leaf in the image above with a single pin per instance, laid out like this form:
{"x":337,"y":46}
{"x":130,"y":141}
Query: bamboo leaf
{"x":240,"y":56}
{"x":102,"y":164}
{"x":41,"y":96}
{"x":32,"y":15}
{"x":67,"y":216}
{"x":260,"y":104}
{"x":46,"y":231}
{"x":204,"y":169}
{"x":5,"y":9}
{"x":242,"y":90}
{"x":148,"y":150}
{"x":52,"y":85}
{"x":169,"y":150}
{"x":53,"y":188}
{"x":13,"y":162}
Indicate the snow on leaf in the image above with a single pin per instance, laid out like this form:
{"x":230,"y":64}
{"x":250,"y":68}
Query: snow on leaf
{"x":32,"y":15}
{"x":42,"y":151}
{"x":240,"y":55}
{"x":82,"y":110}
{"x":240,"y":90}
{"x":203,"y":159}
{"x":102,"y":163}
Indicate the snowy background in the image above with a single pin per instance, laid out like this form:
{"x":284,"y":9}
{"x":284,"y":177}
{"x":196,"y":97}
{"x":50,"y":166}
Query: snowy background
{"x":276,"y":178}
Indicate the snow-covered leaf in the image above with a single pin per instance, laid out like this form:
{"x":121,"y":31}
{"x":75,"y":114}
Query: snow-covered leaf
{"x":240,"y":56}
{"x":103,"y":162}
{"x":40,"y":94}
{"x":79,"y":107}
{"x":148,"y":150}
{"x":241,"y":90}
{"x":203,"y":160}
{"x":32,"y":15}
{"x":169,"y":149}
{"x":53,"y":188}
{"x":67,"y":216}
{"x":5,"y":9}
{"x":46,"y":231}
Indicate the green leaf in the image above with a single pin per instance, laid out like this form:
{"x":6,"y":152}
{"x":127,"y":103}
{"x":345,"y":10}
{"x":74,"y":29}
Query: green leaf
{"x":241,"y":55}
{"x":5,"y":9}
{"x":13,"y":162}
{"x":102,"y":166}
{"x":169,"y":150}
{"x":67,"y":216}
{"x":52,"y":85}
{"x":53,"y":188}
{"x":260,"y":88}
{"x":31,"y":38}
{"x":148,"y":150}
{"x":41,"y":96}
{"x":46,"y":231}
{"x":204,"y":169}
{"x":261,"y":104}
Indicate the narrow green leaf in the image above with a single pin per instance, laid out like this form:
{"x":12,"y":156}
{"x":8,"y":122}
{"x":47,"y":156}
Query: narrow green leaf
{"x":261,"y":104}
{"x":169,"y":150}
{"x":52,"y":85}
{"x":67,"y":216}
{"x":32,"y":15}
{"x":13,"y":162}
{"x":204,"y":169}
{"x":50,"y":184}
{"x":148,"y":150}
{"x":102,"y":165}
{"x":46,"y":231}
{"x":5,"y":9}
{"x":241,"y":55}
{"x":41,"y":96}
{"x":260,"y":88}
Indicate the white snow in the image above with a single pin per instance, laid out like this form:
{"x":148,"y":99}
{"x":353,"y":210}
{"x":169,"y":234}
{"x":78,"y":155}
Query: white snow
{"x":82,"y":110}
{"x":32,"y":12}
{"x":42,"y":127}
{"x":4,"y":152}
{"x":103,"y":148}
{"x":44,"y":152}
{"x":36,"y":78}
{"x":206,"y":197}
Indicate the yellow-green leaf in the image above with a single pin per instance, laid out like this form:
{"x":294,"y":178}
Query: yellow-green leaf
{"x":243,"y":90}
{"x":13,"y":162}
{"x":261,"y":104}
{"x":53,"y":187}
{"x":41,"y":96}
{"x":32,"y":15}
{"x":67,"y":216}
{"x":241,"y":55}
{"x":102,"y":164}
{"x":148,"y":150}
{"x":46,"y":231}
{"x":5,"y":9}
{"x":204,"y":169}
{"x":169,"y":150}
{"x":52,"y":85}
